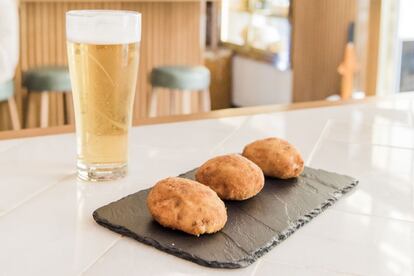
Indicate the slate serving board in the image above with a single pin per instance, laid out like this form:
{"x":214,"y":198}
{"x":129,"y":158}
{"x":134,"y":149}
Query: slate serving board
{"x":254,"y":226}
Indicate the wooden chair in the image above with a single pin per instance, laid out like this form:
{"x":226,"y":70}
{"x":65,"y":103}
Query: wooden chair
{"x":44,"y":80}
{"x":182,"y":80}
{"x":7,"y":94}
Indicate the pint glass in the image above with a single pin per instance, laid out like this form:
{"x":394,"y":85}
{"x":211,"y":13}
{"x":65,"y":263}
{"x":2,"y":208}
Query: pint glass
{"x":103,"y":56}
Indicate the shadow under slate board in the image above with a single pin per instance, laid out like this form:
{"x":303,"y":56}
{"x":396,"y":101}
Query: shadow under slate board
{"x":254,"y":226}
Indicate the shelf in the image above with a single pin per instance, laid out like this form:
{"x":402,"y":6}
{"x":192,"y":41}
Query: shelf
{"x":264,"y":12}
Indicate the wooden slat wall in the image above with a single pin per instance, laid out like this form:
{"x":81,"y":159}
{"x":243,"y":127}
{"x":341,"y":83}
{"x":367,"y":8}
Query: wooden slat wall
{"x":219,"y":64}
{"x":171,"y":34}
{"x":373,"y":46}
{"x":319,"y":38}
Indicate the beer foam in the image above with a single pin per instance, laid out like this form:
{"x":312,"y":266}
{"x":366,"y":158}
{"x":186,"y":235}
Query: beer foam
{"x":103,"y":26}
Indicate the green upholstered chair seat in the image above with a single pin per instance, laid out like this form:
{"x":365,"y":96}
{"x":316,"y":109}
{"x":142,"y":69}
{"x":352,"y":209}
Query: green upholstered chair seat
{"x":6,"y":90}
{"x":181,"y":77}
{"x":54,"y":78}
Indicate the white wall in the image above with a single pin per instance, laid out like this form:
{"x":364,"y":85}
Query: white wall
{"x":406,"y":20}
{"x":259,"y":83}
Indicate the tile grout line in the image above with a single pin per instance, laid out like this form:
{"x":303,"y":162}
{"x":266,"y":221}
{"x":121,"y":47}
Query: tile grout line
{"x":100,"y":256}
{"x":222,"y":142}
{"x":318,"y":142}
{"x":32,"y":196}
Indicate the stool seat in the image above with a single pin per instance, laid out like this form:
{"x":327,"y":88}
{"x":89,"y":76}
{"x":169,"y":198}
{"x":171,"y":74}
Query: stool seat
{"x":53,"y":78}
{"x":181,"y":77}
{"x":44,"y":80}
{"x":6,"y":90}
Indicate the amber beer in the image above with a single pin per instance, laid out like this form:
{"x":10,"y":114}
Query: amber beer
{"x":103,"y":55}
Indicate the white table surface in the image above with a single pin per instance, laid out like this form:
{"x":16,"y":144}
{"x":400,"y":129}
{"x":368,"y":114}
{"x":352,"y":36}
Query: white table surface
{"x":46,"y":226}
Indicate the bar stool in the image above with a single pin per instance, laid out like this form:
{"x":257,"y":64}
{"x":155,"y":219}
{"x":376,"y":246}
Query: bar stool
{"x":184,"y":80}
{"x":6,"y":94}
{"x":44,"y":80}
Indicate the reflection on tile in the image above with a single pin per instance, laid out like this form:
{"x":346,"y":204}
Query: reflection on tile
{"x":371,"y":113}
{"x":7,"y":144}
{"x":280,"y":125}
{"x":60,"y":218}
{"x":387,"y":111}
{"x":377,"y":134}
{"x":152,"y":164}
{"x":400,"y":103}
{"x":34,"y":165}
{"x":45,"y":214}
{"x":187,"y":135}
{"x":304,"y":127}
{"x":351,"y":244}
{"x":55,"y":232}
{"x":128,"y":255}
{"x":386,"y":177}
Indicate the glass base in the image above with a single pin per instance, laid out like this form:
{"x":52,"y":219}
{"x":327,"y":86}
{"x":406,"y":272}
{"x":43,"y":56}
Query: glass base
{"x":99,"y":172}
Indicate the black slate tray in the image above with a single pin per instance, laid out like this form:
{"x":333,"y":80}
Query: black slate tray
{"x":253,"y":228}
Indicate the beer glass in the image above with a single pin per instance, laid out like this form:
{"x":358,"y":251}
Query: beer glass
{"x":103,"y":56}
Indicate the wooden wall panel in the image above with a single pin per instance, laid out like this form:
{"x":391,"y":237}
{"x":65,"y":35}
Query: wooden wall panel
{"x":319,"y":38}
{"x":374,"y":26}
{"x":171,"y":34}
{"x":219,"y":64}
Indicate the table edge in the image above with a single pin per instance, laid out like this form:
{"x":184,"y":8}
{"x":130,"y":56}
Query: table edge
{"x":230,"y":112}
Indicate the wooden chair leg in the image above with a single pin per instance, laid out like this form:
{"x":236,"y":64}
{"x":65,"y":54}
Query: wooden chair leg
{"x":186,"y":106}
{"x":44,"y":109}
{"x":178,"y":101}
{"x":30,"y":118}
{"x":70,"y":114}
{"x":173,"y":107}
{"x":59,"y":108}
{"x":206,"y":101}
{"x":14,"y":114}
{"x":153,"y":103}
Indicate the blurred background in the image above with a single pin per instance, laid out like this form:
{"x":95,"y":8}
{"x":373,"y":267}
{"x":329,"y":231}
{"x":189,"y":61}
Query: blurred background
{"x":257,"y":52}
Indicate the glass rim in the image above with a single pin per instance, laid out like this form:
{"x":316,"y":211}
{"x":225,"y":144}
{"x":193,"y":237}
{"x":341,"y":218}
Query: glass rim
{"x":89,"y":13}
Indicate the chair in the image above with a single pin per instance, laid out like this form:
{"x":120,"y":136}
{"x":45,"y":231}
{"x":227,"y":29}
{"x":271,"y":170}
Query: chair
{"x":44,"y":80}
{"x":6,"y":94}
{"x":182,"y":80}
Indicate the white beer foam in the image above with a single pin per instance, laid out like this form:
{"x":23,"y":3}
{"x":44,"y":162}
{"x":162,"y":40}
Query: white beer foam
{"x":103,"y":26}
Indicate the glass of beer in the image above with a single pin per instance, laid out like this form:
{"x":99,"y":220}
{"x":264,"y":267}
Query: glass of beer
{"x":103,"y":56}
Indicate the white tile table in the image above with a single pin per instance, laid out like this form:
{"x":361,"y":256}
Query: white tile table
{"x":46,"y":227}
